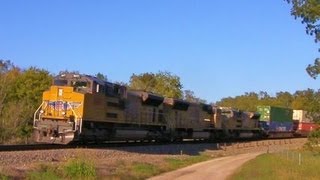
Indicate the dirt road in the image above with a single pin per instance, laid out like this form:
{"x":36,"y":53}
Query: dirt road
{"x":219,"y":168}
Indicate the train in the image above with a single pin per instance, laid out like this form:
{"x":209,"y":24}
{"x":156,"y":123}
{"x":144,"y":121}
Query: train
{"x":80,"y":108}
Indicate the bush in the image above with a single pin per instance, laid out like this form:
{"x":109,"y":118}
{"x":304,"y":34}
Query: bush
{"x":313,"y":143}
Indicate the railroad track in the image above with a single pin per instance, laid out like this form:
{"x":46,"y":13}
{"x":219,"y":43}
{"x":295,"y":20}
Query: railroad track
{"x":31,"y":147}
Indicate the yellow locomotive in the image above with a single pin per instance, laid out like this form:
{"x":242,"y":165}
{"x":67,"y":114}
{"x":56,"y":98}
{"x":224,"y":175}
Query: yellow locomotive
{"x":82,"y":108}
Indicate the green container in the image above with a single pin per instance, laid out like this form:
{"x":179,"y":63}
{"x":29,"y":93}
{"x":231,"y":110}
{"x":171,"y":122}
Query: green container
{"x":276,"y":114}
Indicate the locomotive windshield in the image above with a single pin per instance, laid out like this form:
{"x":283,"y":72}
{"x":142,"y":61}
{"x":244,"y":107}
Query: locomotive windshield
{"x":81,"y":85}
{"x":60,"y":82}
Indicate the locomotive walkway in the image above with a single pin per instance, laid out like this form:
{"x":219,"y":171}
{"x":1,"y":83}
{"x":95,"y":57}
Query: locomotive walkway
{"x":219,"y":168}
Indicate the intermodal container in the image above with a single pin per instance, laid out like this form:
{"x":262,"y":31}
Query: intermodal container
{"x":275,"y":114}
{"x":301,"y":116}
{"x":306,"y":126}
{"x":275,"y":126}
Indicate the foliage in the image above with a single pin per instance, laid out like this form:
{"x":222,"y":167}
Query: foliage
{"x":314,"y":141}
{"x":101,"y":76}
{"x":314,"y":70}
{"x":162,"y":83}
{"x":20,"y":94}
{"x":190,"y":97}
{"x":80,"y":168}
{"x":309,"y":13}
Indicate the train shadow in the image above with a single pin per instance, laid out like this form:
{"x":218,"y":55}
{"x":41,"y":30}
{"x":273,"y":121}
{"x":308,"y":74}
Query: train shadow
{"x":185,"y":148}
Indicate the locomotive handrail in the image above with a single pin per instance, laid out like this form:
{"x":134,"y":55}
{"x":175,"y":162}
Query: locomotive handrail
{"x":76,"y":116}
{"x":35,"y":114}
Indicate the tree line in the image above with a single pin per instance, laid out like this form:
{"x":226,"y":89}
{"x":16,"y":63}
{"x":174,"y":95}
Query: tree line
{"x":308,"y":100}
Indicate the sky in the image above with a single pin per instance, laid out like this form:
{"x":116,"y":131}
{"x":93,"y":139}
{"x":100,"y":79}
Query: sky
{"x":218,"y":48}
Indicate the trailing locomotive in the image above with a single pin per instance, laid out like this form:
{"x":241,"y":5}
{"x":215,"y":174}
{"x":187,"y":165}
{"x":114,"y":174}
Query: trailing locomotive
{"x":82,"y":108}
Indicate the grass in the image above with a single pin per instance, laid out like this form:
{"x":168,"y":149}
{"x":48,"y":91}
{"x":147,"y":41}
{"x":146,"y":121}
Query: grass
{"x":80,"y":168}
{"x":280,"y":166}
{"x":176,"y":163}
{"x":44,"y":172}
{"x":4,"y":177}
{"x":142,"y":170}
{"x":73,"y":169}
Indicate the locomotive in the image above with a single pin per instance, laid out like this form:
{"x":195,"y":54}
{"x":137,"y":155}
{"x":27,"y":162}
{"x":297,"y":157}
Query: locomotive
{"x":83,"y":108}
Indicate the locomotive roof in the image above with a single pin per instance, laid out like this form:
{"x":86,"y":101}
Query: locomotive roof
{"x":81,"y":76}
{"x":99,"y":81}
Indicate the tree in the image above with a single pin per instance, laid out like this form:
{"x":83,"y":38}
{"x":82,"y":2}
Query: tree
{"x":20,"y":95}
{"x":309,"y":12}
{"x":246,"y":102}
{"x":101,"y":76}
{"x":314,"y":70}
{"x":190,"y":97}
{"x":27,"y":92}
{"x":162,"y":83}
{"x":8,"y":75}
{"x":284,"y":99}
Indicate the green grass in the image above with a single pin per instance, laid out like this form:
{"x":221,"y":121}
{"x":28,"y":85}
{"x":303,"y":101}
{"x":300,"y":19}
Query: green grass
{"x":280,"y":166}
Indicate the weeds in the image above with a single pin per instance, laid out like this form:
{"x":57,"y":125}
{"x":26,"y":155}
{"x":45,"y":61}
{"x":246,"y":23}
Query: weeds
{"x":79,"y":168}
{"x":44,"y":172}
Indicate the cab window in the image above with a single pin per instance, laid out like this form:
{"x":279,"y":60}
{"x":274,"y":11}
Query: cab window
{"x":81,"y":86}
{"x":60,"y":82}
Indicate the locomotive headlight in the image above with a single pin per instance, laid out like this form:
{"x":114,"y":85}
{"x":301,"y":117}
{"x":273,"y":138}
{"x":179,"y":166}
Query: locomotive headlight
{"x":63,"y":113}
{"x":41,"y":111}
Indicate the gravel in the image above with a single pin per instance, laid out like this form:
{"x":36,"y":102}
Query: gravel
{"x":26,"y":160}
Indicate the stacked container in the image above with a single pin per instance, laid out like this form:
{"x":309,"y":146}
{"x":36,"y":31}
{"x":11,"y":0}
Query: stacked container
{"x":276,"y":119}
{"x":301,"y":116}
{"x":304,"y":123}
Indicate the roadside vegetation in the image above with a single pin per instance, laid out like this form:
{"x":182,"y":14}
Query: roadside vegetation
{"x":142,"y":170}
{"x":87,"y":168}
{"x":77,"y":168}
{"x":283,"y":165}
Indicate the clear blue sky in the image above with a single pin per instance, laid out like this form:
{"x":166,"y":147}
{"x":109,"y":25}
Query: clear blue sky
{"x":217,"y":48}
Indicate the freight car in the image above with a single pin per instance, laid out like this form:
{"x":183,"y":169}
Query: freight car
{"x":276,"y":122}
{"x":303,"y":123}
{"x":83,"y":108}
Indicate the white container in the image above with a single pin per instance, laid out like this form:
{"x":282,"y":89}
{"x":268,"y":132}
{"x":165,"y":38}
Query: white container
{"x":301,"y":116}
